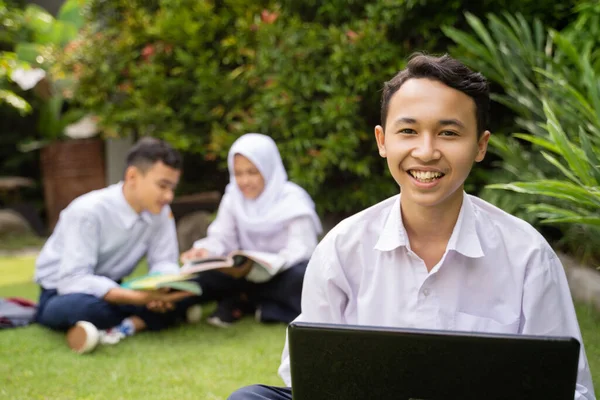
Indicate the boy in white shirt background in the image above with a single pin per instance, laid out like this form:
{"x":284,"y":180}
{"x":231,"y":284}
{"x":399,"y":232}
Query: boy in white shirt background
{"x":99,"y":240}
{"x":434,"y":257}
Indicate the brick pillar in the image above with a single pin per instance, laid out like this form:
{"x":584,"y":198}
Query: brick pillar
{"x":70,"y":168}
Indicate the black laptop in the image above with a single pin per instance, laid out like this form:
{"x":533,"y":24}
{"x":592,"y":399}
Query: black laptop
{"x":361,"y":363}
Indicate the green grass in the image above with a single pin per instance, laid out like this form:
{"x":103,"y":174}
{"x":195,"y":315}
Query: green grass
{"x":18,"y":242}
{"x":189,"y":362}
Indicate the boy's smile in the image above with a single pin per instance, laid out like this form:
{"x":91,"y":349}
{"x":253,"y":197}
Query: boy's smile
{"x":430,"y":141}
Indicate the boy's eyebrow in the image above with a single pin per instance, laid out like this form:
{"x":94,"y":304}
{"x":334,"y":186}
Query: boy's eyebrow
{"x":441,"y":122}
{"x":167,"y":182}
{"x":446,"y":122}
{"x":405,"y":120}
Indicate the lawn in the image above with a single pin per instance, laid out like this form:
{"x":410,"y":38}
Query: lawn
{"x":190,"y":362}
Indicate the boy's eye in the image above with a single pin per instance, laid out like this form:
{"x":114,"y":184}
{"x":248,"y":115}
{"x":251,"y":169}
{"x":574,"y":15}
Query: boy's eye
{"x":407,"y":131}
{"x":448,"y":133}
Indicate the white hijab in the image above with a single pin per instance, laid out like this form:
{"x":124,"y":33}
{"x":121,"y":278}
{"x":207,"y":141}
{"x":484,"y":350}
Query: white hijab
{"x":280,"y":201}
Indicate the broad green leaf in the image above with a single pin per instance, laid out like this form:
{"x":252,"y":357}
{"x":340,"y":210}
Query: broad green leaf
{"x":574,"y":160}
{"x":70,"y":12}
{"x":15,"y":101}
{"x":60,"y":34}
{"x":550,"y":211}
{"x":555,"y":80}
{"x":542,"y":142}
{"x":483,"y":33}
{"x":591,"y":154}
{"x":28,"y":52}
{"x":38,"y":19}
{"x":467,"y":41}
{"x":552,"y":160}
{"x":565,"y":46}
{"x":553,"y":214}
{"x":50,"y":123}
{"x":591,"y":220}
{"x":592,"y":81}
{"x":554,"y":188}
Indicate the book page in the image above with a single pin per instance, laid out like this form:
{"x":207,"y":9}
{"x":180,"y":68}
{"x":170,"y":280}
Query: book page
{"x":269,"y":261}
{"x":206,"y":264}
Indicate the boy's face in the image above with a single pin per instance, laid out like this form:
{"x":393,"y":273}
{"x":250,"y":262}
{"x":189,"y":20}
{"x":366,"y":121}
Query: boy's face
{"x":430,"y":141}
{"x":154,"y":188}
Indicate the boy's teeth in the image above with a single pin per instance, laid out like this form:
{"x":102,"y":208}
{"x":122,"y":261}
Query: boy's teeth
{"x":426,"y":175}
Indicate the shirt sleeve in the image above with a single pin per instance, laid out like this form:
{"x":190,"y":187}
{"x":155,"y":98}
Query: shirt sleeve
{"x":221,"y":238}
{"x":548,"y":310}
{"x":80,"y":257}
{"x":163,"y":250}
{"x":301,"y":242}
{"x":325,"y":295}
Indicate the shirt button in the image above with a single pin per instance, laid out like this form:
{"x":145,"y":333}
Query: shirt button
{"x":426,"y":292}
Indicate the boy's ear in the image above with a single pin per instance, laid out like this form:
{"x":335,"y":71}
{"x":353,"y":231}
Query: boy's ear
{"x":380,"y":138}
{"x":131,"y":174}
{"x":482,"y":145}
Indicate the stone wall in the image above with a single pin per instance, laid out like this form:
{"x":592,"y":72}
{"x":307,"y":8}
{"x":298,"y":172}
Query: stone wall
{"x":584,"y":281}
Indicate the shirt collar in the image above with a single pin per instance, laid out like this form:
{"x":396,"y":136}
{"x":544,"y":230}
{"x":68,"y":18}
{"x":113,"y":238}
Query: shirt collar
{"x":393,"y":234}
{"x":126,"y":213}
{"x":464,"y":238}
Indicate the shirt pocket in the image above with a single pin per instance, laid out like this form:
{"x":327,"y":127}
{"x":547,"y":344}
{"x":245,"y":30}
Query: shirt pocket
{"x":474,"y":323}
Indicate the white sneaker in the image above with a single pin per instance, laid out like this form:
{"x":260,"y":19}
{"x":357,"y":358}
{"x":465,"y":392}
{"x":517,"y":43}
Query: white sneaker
{"x":258,"y":315}
{"x":84,"y":337}
{"x":218,"y":322}
{"x":111,"y":336}
{"x":193,"y":314}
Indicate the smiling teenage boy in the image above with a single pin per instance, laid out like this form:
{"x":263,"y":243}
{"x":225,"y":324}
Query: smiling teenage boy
{"x":99,"y":239}
{"x":434,"y":257}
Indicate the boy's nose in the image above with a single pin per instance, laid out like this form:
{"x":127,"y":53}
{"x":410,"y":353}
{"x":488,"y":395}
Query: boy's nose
{"x":426,"y":149}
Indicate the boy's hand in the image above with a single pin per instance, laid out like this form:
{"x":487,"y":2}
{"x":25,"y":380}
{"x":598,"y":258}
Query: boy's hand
{"x":145,"y":297}
{"x":162,"y":300}
{"x":192,"y":254}
{"x":240,"y":271}
{"x":160,"y":306}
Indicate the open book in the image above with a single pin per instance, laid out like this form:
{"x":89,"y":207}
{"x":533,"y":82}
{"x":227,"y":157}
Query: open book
{"x":157,"y":281}
{"x":270,"y":262}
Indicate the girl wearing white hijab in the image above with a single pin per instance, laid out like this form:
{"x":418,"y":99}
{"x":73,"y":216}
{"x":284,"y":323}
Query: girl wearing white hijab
{"x":260,"y":211}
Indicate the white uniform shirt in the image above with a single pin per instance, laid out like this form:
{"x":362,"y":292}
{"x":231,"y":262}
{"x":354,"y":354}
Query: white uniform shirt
{"x":293,"y":243}
{"x":99,"y":239}
{"x":498,"y":274}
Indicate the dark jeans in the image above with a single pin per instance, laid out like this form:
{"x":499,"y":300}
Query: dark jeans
{"x":278,"y":299}
{"x":262,"y":392}
{"x":60,"y":312}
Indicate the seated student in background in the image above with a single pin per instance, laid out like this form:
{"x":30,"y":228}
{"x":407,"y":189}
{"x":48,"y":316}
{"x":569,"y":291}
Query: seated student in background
{"x":260,"y":211}
{"x":99,"y":239}
{"x":434,"y":257}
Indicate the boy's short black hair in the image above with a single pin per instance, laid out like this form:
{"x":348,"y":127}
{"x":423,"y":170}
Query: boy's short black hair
{"x":148,"y":151}
{"x":448,"y":71}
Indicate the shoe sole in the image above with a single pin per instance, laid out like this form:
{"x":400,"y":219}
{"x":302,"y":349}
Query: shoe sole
{"x":81,"y":339}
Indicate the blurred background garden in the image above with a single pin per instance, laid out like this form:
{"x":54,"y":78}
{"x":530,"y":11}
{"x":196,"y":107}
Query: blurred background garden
{"x":80,"y":80}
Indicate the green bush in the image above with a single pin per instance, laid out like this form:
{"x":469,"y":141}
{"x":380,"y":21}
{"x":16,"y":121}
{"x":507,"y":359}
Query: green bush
{"x":200,"y":73}
{"x":12,"y":30}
